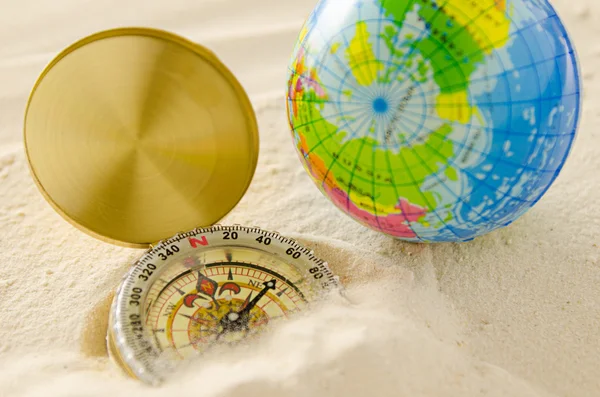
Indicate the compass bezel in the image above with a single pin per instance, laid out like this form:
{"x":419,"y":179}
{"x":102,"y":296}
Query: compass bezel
{"x":127,"y":343}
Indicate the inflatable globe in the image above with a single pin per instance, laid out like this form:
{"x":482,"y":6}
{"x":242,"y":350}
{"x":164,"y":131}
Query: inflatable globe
{"x":433,"y":121}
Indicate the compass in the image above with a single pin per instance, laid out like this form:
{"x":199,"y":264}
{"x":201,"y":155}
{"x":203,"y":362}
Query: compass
{"x":220,"y":285}
{"x":144,"y":139}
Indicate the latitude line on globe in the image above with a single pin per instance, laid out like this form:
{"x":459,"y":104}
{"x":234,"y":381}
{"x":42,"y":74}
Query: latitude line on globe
{"x":424,"y":33}
{"x":341,"y":150}
{"x":351,"y":69}
{"x":499,"y":159}
{"x":436,"y":176}
{"x":304,"y":77}
{"x":378,"y":45}
{"x":348,"y":70}
{"x":425,"y":200}
{"x":551,"y":156}
{"x":499,"y":130}
{"x":408,"y":223}
{"x":362,"y":45}
{"x":440,"y":45}
{"x":479,"y":50}
{"x":342,"y":81}
{"x":373,"y":169}
{"x":492,"y":46}
{"x":421,"y":125}
{"x":450,"y":161}
{"x":323,"y":118}
{"x":339,"y":154}
{"x":473,"y":149}
{"x":507,"y":72}
{"x":307,"y":53}
{"x":540,"y":102}
{"x":349,"y":190}
{"x":506,"y":195}
{"x":482,"y":182}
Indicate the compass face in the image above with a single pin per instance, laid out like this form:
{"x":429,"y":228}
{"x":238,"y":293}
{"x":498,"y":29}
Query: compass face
{"x":209,"y":287}
{"x":201,"y":307}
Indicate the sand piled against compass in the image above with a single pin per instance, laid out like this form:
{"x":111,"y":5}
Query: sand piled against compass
{"x":335,"y":351}
{"x":515,"y":313}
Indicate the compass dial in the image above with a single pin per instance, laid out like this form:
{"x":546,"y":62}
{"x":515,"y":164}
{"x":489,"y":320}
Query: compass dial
{"x":225,"y":301}
{"x":220,"y":285}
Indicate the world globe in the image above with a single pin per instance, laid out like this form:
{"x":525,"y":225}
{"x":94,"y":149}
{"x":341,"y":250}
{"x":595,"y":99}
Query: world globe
{"x":433,"y":121}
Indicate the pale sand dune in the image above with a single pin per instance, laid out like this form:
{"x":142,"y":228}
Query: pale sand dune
{"x":515,"y":313}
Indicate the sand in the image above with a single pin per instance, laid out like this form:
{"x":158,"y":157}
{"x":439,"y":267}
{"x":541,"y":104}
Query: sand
{"x":514,"y":313}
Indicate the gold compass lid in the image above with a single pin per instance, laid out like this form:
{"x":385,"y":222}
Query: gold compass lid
{"x":136,"y":134}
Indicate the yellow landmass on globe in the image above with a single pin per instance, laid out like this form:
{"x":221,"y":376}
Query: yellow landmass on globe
{"x":490,"y":29}
{"x":367,"y":204}
{"x":361,"y":57}
{"x":454,"y":107}
{"x":487,"y":22}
